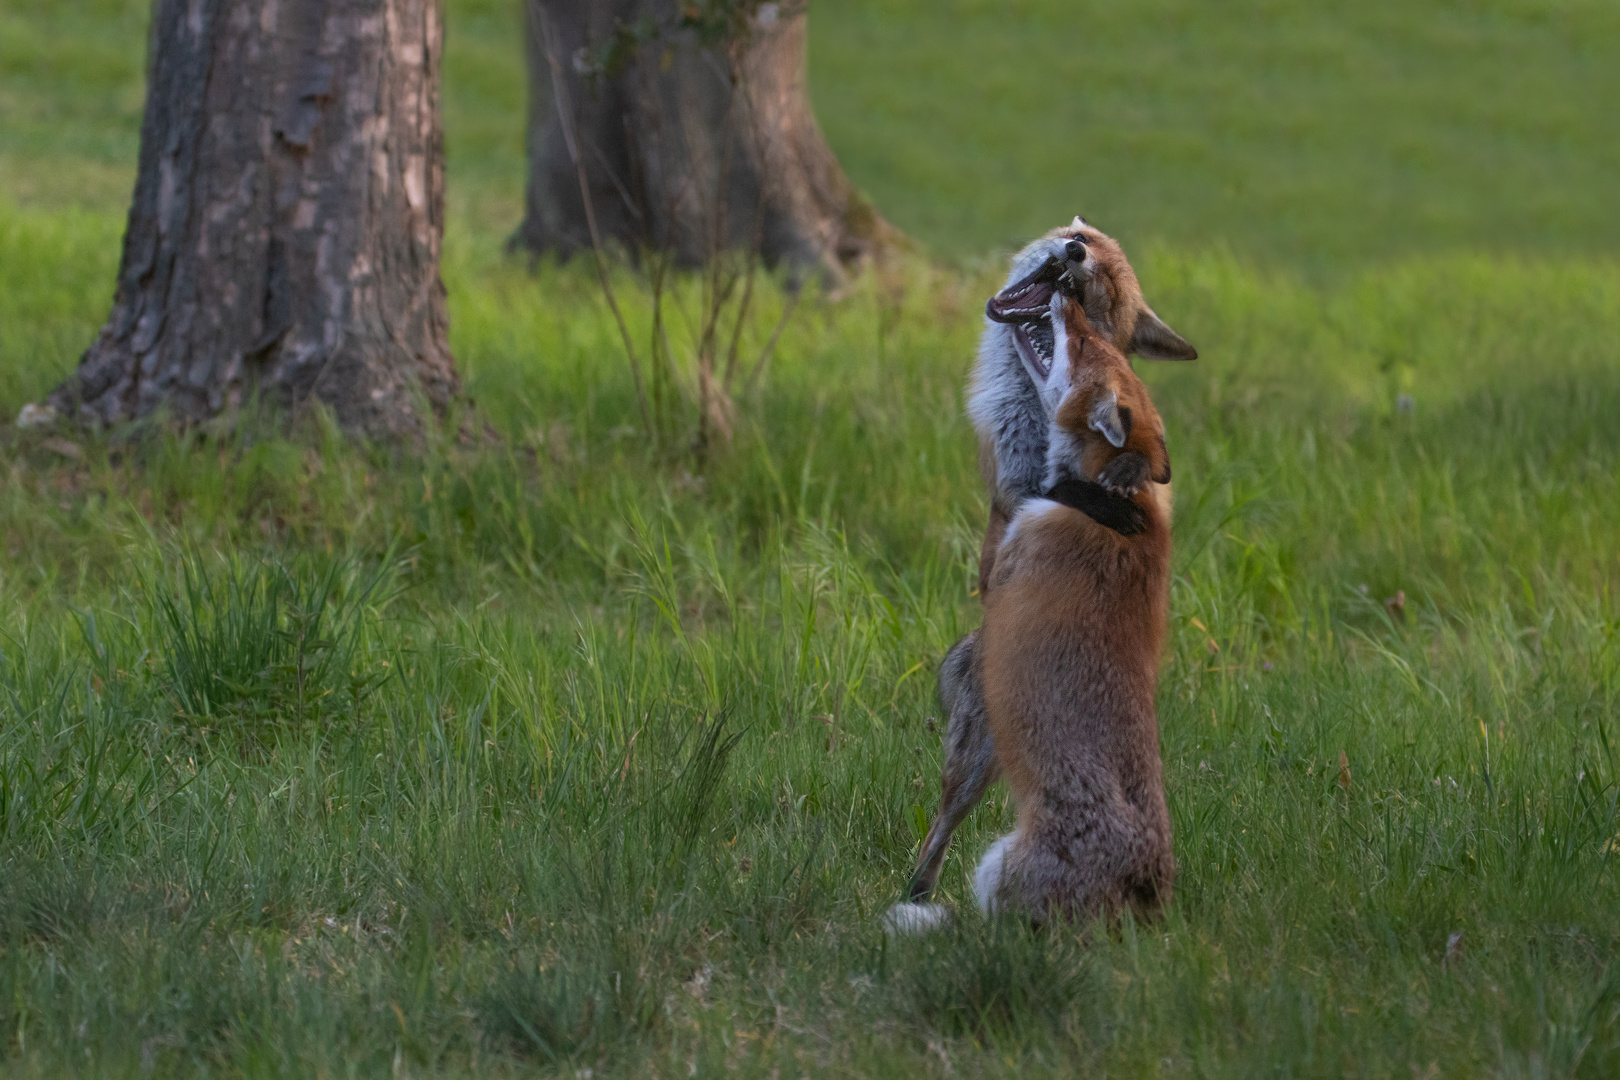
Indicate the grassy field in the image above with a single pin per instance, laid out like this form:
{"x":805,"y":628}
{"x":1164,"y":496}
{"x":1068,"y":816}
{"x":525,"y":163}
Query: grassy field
{"x":562,"y":755}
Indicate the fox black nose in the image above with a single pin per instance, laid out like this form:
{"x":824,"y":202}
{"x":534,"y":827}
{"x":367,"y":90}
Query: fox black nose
{"x":1075,"y":250}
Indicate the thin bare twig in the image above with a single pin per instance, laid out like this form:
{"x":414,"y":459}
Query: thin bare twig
{"x":661,"y":258}
{"x":770,"y":345}
{"x":744,"y":90}
{"x":560,"y":93}
{"x":613,"y":177}
{"x":756,"y":241}
{"x":663,"y":367}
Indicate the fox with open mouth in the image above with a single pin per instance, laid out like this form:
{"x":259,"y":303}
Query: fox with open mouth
{"x":1015,"y":356}
{"x":1014,"y":404}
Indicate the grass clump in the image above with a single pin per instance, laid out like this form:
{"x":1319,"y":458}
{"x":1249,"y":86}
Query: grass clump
{"x":266,"y":641}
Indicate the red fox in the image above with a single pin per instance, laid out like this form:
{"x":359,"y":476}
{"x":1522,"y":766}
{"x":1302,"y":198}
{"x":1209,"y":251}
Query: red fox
{"x":1011,"y":402}
{"x":1069,"y":655}
{"x":1016,"y":352}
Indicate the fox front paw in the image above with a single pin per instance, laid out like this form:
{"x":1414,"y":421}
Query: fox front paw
{"x":1126,"y":474}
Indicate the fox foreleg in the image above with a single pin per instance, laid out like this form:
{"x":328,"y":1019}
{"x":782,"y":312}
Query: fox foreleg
{"x":1126,"y":474}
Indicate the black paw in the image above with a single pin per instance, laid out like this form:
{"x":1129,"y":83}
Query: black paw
{"x":1126,"y":474}
{"x":1100,"y":505}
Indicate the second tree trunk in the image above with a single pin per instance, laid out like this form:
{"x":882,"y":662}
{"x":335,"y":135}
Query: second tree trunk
{"x":693,"y":131}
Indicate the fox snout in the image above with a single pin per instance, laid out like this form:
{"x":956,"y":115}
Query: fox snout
{"x":1069,"y":259}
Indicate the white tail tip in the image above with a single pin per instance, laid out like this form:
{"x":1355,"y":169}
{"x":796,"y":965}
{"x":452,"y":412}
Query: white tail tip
{"x":36,"y":416}
{"x":909,"y":918}
{"x":987,"y":878}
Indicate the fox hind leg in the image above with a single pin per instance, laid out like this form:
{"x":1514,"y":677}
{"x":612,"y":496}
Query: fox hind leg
{"x":970,"y":761}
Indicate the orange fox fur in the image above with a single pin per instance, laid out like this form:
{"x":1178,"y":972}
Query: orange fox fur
{"x":1074,"y":624}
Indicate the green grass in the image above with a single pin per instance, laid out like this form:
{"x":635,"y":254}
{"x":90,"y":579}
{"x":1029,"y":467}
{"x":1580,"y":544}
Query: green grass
{"x":558,"y":753}
{"x":1315,"y":134}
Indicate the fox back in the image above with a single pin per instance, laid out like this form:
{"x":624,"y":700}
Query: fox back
{"x":1074,"y":626}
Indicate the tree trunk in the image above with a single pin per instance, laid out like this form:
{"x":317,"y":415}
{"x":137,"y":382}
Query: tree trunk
{"x":285,"y":231}
{"x":684,"y":128}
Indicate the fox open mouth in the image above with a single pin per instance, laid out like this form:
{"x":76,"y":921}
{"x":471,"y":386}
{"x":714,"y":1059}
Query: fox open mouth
{"x":1026,"y":308}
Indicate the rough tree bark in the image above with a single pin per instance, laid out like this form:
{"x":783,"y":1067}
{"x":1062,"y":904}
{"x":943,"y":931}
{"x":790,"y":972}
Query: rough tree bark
{"x":285,"y":230}
{"x":692,"y":125}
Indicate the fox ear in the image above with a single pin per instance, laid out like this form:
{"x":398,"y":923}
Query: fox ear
{"x":1106,"y":420}
{"x":1156,"y":341}
{"x":1078,"y":222}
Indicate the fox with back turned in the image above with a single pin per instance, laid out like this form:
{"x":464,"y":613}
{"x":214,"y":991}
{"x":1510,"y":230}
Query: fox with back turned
{"x":1074,"y":624}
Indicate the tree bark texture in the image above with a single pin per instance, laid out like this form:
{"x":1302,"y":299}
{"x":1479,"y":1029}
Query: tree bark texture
{"x":285,"y":230}
{"x":687,"y":143}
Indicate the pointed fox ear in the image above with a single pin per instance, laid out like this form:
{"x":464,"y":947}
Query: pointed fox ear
{"x":1078,"y":222}
{"x":1156,"y":341}
{"x":1106,"y":418}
